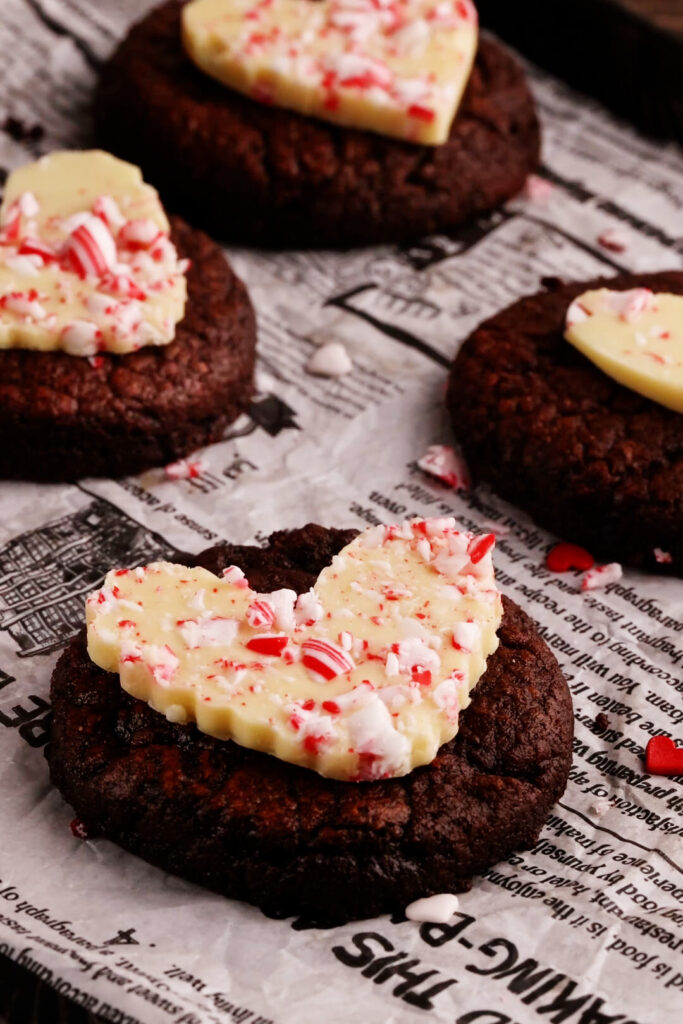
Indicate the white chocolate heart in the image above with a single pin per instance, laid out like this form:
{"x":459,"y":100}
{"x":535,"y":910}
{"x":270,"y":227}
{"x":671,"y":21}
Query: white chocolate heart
{"x":86,"y":262}
{"x":397,"y":67}
{"x":634,"y":336}
{"x":361,"y":678}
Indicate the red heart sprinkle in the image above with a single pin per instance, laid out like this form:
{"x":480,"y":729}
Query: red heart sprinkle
{"x":663,"y":757}
{"x":564,"y":557}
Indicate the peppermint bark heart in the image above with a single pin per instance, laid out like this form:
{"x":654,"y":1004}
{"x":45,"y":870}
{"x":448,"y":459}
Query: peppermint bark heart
{"x":86,"y":260}
{"x":397,"y":67}
{"x":363,"y":677}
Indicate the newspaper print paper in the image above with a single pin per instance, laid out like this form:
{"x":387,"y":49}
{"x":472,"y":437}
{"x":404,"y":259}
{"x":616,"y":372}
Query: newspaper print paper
{"x":585,"y":929}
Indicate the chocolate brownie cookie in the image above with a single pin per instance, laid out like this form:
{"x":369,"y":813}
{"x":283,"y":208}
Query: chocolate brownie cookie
{"x":255,"y":828}
{"x":63,"y":417}
{"x":265,"y":175}
{"x":589,"y":459}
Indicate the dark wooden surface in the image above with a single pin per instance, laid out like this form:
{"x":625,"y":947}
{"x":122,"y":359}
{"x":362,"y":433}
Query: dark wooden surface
{"x":667,"y":14}
{"x":627,"y":53}
{"x":25,"y":1000}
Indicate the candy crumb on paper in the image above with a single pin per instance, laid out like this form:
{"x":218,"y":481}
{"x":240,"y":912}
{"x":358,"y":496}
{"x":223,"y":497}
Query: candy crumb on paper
{"x":601,"y":576}
{"x":330,"y":360}
{"x":563,"y":557}
{"x":436,"y":909}
{"x":614,"y":240}
{"x":78,"y":829}
{"x":537,"y":189}
{"x":185,"y":469}
{"x":499,"y":529}
{"x":446,"y":464}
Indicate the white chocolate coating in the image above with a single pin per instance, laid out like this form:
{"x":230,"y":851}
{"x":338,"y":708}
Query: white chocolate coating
{"x":635,"y":336}
{"x":86,"y":263}
{"x":397,"y":67}
{"x":361,"y":678}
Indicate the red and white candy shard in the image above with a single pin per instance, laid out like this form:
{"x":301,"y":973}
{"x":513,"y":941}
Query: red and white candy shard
{"x":446,"y":464}
{"x":601,"y":576}
{"x":362,"y":677}
{"x":86,"y":261}
{"x":185,"y":469}
{"x":397,"y":67}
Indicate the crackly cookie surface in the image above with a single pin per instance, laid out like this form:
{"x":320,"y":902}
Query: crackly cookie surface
{"x":256,"y":828}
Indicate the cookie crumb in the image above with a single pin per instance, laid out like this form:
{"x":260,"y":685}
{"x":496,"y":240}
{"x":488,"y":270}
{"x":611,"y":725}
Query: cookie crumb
{"x":602,"y":721}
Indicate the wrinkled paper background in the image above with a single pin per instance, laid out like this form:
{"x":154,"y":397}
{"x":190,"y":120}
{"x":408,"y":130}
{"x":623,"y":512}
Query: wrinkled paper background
{"x":588,"y":927}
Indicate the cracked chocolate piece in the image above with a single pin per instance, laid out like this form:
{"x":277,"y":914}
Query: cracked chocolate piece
{"x":258,"y":829}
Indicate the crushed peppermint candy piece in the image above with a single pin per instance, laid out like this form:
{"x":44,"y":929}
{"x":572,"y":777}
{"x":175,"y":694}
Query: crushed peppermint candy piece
{"x":446,"y":464}
{"x":438,"y":909}
{"x":499,"y":529}
{"x":78,"y":829}
{"x":325,"y":659}
{"x":90,"y":250}
{"x":81,"y":338}
{"x":615,"y":240}
{"x":630,"y":304}
{"x":539,"y":190}
{"x":600,"y":807}
{"x":185,"y":469}
{"x":100,"y":259}
{"x":602,"y":576}
{"x":260,"y":614}
{"x":663,"y":557}
{"x":330,"y":360}
{"x":563,"y":556}
{"x":363,"y":677}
